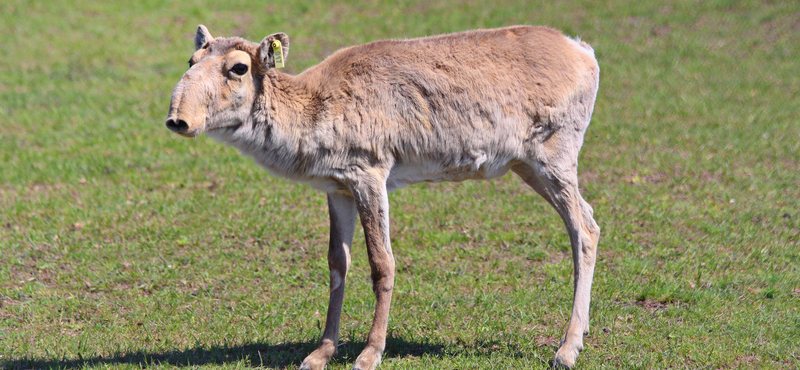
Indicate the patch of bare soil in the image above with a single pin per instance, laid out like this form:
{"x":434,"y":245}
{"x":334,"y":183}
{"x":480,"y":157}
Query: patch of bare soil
{"x":547,"y":341}
{"x":746,"y":362}
{"x":653,"y":178}
{"x":652,"y":305}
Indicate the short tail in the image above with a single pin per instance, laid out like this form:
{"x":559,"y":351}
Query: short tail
{"x":586,"y":47}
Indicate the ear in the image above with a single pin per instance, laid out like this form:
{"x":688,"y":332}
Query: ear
{"x":202,"y":37}
{"x":265,"y":52}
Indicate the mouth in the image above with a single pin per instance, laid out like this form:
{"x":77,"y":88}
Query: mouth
{"x":229,"y":128}
{"x":191,"y":134}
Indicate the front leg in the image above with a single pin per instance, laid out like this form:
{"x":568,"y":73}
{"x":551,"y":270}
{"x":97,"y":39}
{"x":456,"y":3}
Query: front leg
{"x":372,"y":202}
{"x":343,"y":215}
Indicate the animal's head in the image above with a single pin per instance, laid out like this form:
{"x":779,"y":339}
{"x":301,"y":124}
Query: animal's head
{"x":221,"y":84}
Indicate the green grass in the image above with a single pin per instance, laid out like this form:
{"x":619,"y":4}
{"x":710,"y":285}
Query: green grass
{"x":124,"y":246}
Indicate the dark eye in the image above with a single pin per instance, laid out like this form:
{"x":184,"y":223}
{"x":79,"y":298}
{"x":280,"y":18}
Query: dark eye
{"x":240,"y":69}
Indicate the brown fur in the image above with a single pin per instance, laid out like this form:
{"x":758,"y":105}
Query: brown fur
{"x":375,"y":117}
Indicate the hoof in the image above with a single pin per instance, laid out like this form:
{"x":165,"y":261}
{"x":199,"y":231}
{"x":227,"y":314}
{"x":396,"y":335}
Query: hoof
{"x":369,"y":359}
{"x":316,"y":360}
{"x":566,"y":356}
{"x":559,"y":363}
{"x":312,"y":365}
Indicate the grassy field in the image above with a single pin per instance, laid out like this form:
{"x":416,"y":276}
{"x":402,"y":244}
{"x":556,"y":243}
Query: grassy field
{"x":124,"y":246}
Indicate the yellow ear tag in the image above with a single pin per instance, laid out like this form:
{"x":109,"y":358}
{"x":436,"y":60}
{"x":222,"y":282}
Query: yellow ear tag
{"x":277,"y":53}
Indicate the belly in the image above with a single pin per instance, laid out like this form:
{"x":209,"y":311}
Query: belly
{"x":407,"y":174}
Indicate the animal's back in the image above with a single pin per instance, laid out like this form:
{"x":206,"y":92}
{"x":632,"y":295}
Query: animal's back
{"x":538,"y":65}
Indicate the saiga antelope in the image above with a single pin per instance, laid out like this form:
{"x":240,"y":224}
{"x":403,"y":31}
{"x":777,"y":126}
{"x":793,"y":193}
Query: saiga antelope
{"x":372,"y":118}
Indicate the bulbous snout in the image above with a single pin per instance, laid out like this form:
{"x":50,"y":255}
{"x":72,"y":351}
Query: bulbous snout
{"x":186,"y":115}
{"x":190,"y":103}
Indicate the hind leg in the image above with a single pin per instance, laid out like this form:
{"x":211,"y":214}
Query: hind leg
{"x":559,"y":186}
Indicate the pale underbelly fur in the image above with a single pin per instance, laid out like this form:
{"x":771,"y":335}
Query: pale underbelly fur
{"x":407,"y":174}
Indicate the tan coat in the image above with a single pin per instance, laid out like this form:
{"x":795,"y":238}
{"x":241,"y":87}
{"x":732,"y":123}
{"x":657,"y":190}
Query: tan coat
{"x":375,"y":117}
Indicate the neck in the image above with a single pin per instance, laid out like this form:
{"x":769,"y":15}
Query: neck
{"x":284,"y":113}
{"x":284,"y":101}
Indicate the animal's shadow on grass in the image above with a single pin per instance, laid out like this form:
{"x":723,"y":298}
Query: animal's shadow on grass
{"x":274,"y":356}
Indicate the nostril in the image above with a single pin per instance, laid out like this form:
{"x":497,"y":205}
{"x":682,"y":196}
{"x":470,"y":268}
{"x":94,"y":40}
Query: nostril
{"x":177,"y":126}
